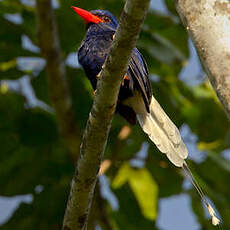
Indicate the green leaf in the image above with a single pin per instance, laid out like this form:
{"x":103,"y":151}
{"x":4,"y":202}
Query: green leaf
{"x":146,"y":191}
{"x":129,"y":213}
{"x":143,"y":186}
{"x":122,"y":176}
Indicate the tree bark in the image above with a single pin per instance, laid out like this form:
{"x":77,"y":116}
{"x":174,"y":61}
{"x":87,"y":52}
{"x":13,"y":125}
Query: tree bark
{"x":208,"y":23}
{"x":98,"y":125}
{"x":56,"y":76}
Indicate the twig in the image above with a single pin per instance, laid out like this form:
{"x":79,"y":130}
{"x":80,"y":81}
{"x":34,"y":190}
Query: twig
{"x":56,"y":76}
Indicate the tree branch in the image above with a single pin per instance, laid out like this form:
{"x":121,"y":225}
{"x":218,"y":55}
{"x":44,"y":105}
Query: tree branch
{"x":56,"y":76}
{"x":98,"y":125}
{"x":208,"y":23}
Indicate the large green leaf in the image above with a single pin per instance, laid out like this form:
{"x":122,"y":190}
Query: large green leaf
{"x":143,"y":186}
{"x":146,"y":190}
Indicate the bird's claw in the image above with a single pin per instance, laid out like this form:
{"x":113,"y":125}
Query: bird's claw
{"x":98,"y":75}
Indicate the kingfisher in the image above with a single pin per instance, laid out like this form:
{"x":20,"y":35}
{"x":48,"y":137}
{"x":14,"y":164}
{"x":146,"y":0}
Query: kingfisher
{"x":135,"y":100}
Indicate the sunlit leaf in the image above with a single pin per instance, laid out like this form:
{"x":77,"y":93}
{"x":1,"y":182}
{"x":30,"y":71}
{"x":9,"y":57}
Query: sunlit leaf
{"x":7,"y":65}
{"x":123,"y":175}
{"x":146,"y":191}
{"x":209,"y":145}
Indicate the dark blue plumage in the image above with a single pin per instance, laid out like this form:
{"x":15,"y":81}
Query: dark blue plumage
{"x":92,"y":53}
{"x":135,"y":100}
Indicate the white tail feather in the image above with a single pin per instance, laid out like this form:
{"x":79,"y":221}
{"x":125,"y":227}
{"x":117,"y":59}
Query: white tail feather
{"x":163,"y":133}
{"x":188,"y":173}
{"x":167,"y":138}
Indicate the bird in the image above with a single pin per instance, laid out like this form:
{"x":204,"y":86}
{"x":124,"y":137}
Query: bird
{"x":135,"y":100}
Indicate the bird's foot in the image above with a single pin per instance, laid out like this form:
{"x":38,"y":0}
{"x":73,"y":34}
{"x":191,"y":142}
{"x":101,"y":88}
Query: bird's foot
{"x":98,"y":75}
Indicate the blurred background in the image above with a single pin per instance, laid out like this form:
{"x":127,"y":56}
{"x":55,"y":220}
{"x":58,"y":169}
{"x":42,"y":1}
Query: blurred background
{"x":139,"y":189}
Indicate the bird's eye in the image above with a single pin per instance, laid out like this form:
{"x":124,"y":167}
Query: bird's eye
{"x":106,"y":18}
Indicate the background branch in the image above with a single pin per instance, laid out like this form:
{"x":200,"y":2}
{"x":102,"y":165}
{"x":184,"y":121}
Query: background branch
{"x":98,"y":214}
{"x":100,"y":117}
{"x":56,"y":76}
{"x":208,"y":23}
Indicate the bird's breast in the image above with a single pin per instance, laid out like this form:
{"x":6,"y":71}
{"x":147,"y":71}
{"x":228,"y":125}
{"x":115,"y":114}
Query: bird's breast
{"x":92,"y":54}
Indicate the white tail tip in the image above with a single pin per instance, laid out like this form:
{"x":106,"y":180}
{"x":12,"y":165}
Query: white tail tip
{"x":215,"y":220}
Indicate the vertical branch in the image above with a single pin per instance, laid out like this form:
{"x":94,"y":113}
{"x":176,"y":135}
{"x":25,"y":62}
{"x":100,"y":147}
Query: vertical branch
{"x":98,"y":125}
{"x":56,"y":76}
{"x":208,"y":23}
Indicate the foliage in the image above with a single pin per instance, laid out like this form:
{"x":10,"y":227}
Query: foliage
{"x":33,"y":153}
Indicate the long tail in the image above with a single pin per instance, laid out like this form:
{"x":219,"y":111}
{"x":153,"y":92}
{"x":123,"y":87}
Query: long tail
{"x":163,"y":133}
{"x":166,"y":136}
{"x":188,"y":173}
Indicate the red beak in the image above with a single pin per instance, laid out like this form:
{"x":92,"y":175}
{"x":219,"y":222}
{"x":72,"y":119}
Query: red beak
{"x":86,"y":15}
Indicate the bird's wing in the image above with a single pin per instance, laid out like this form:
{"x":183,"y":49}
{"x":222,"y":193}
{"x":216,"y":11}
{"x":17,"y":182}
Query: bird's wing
{"x":138,"y":71}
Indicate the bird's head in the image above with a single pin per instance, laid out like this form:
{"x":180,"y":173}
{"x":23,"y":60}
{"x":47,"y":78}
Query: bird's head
{"x":101,"y":17}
